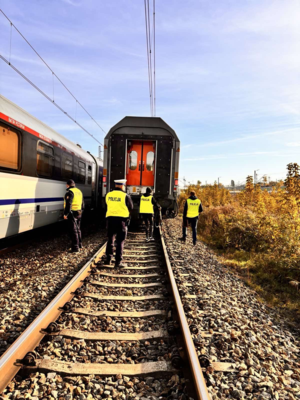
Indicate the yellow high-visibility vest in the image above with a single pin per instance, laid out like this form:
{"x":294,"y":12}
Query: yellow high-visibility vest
{"x":77,"y":199}
{"x":116,"y":204}
{"x":146,"y":206}
{"x":193,"y":208}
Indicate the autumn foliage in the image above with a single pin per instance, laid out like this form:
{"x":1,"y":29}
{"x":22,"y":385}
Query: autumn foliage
{"x":259,"y":227}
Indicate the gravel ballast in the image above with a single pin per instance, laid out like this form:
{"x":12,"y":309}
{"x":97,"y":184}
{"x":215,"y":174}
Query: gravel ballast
{"x":54,"y":386}
{"x":240,"y":328}
{"x":32,"y":276}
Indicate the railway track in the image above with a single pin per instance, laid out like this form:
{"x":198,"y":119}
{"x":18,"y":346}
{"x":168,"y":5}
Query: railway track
{"x":124,"y":328}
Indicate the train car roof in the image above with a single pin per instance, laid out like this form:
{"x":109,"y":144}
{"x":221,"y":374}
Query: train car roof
{"x":141,"y":122}
{"x":11,"y":110}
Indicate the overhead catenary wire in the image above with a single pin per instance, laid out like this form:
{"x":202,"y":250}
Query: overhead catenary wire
{"x":148,"y":58}
{"x":150,"y":55}
{"x":47,"y":97}
{"x":50,"y":69}
{"x":154,"y":83}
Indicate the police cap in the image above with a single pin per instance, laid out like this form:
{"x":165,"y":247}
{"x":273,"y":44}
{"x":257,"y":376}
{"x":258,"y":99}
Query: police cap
{"x":120,"y":181}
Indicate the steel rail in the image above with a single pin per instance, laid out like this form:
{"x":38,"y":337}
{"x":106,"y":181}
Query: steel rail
{"x":32,"y":336}
{"x":10,"y":362}
{"x":199,"y":381}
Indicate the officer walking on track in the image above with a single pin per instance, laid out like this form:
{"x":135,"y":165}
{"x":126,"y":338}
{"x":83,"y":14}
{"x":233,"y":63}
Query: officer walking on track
{"x":147,"y":204}
{"x":192,"y":209}
{"x":118,"y":208}
{"x":73,"y":207}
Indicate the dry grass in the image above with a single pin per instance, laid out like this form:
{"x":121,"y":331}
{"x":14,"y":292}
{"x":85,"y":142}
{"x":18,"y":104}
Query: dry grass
{"x":257,"y":234}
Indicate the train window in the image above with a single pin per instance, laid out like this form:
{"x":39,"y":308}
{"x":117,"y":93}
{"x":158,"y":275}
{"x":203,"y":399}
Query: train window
{"x":57,"y":166}
{"x":150,"y":161}
{"x":75,"y":172}
{"x":9,"y":148}
{"x":81,"y":176}
{"x":89,"y":174}
{"x":67,"y":166}
{"x":45,"y":159}
{"x":133,"y":160}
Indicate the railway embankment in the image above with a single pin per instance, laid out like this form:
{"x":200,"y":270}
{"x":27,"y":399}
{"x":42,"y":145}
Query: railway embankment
{"x":233,"y":325}
{"x":32,"y":275}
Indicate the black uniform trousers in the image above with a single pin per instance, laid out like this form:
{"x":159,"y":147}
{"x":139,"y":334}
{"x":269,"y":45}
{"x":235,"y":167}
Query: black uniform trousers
{"x":148,"y":220}
{"x":193,"y":222}
{"x":74,"y":222}
{"x":116,"y":229}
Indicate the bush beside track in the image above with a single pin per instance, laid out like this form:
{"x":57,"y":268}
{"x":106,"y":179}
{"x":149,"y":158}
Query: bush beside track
{"x":258,"y":233}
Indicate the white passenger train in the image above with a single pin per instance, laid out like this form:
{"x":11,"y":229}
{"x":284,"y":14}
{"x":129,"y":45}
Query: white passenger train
{"x":35,"y":163}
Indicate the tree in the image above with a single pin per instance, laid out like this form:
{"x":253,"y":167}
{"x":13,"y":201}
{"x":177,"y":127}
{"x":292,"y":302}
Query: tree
{"x":265,"y":180}
{"x":249,"y":184}
{"x":292,"y":182}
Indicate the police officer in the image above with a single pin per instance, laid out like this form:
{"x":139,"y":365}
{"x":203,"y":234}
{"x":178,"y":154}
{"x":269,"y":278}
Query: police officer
{"x":192,"y":209}
{"x":147,"y":204}
{"x":118,"y":208}
{"x":73,"y":207}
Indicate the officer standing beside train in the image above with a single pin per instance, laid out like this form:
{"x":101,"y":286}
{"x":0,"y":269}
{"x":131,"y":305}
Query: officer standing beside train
{"x":147,"y":204}
{"x":118,"y":208}
{"x":73,"y":207}
{"x":192,"y":209}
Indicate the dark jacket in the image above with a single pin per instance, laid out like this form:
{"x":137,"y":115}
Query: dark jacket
{"x":154,"y":202}
{"x":186,"y":206}
{"x":128,"y":203}
{"x":69,"y":196}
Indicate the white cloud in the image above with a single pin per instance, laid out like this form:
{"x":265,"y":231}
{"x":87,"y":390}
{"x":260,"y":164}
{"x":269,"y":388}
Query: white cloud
{"x":293,"y":144}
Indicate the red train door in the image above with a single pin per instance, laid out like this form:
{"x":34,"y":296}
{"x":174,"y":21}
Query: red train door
{"x":140,"y":163}
{"x":134,"y":157}
{"x":148,"y":164}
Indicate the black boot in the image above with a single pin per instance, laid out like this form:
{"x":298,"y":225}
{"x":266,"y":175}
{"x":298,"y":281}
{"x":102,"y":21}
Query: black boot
{"x":120,"y":264}
{"x":107,"y":260}
{"x":183,"y":239}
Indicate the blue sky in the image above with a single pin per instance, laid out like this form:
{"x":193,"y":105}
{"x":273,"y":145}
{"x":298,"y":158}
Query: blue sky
{"x":228,"y":75}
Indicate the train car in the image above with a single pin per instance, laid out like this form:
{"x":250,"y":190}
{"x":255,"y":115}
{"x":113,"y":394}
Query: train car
{"x":145,"y":151}
{"x":35,"y":163}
